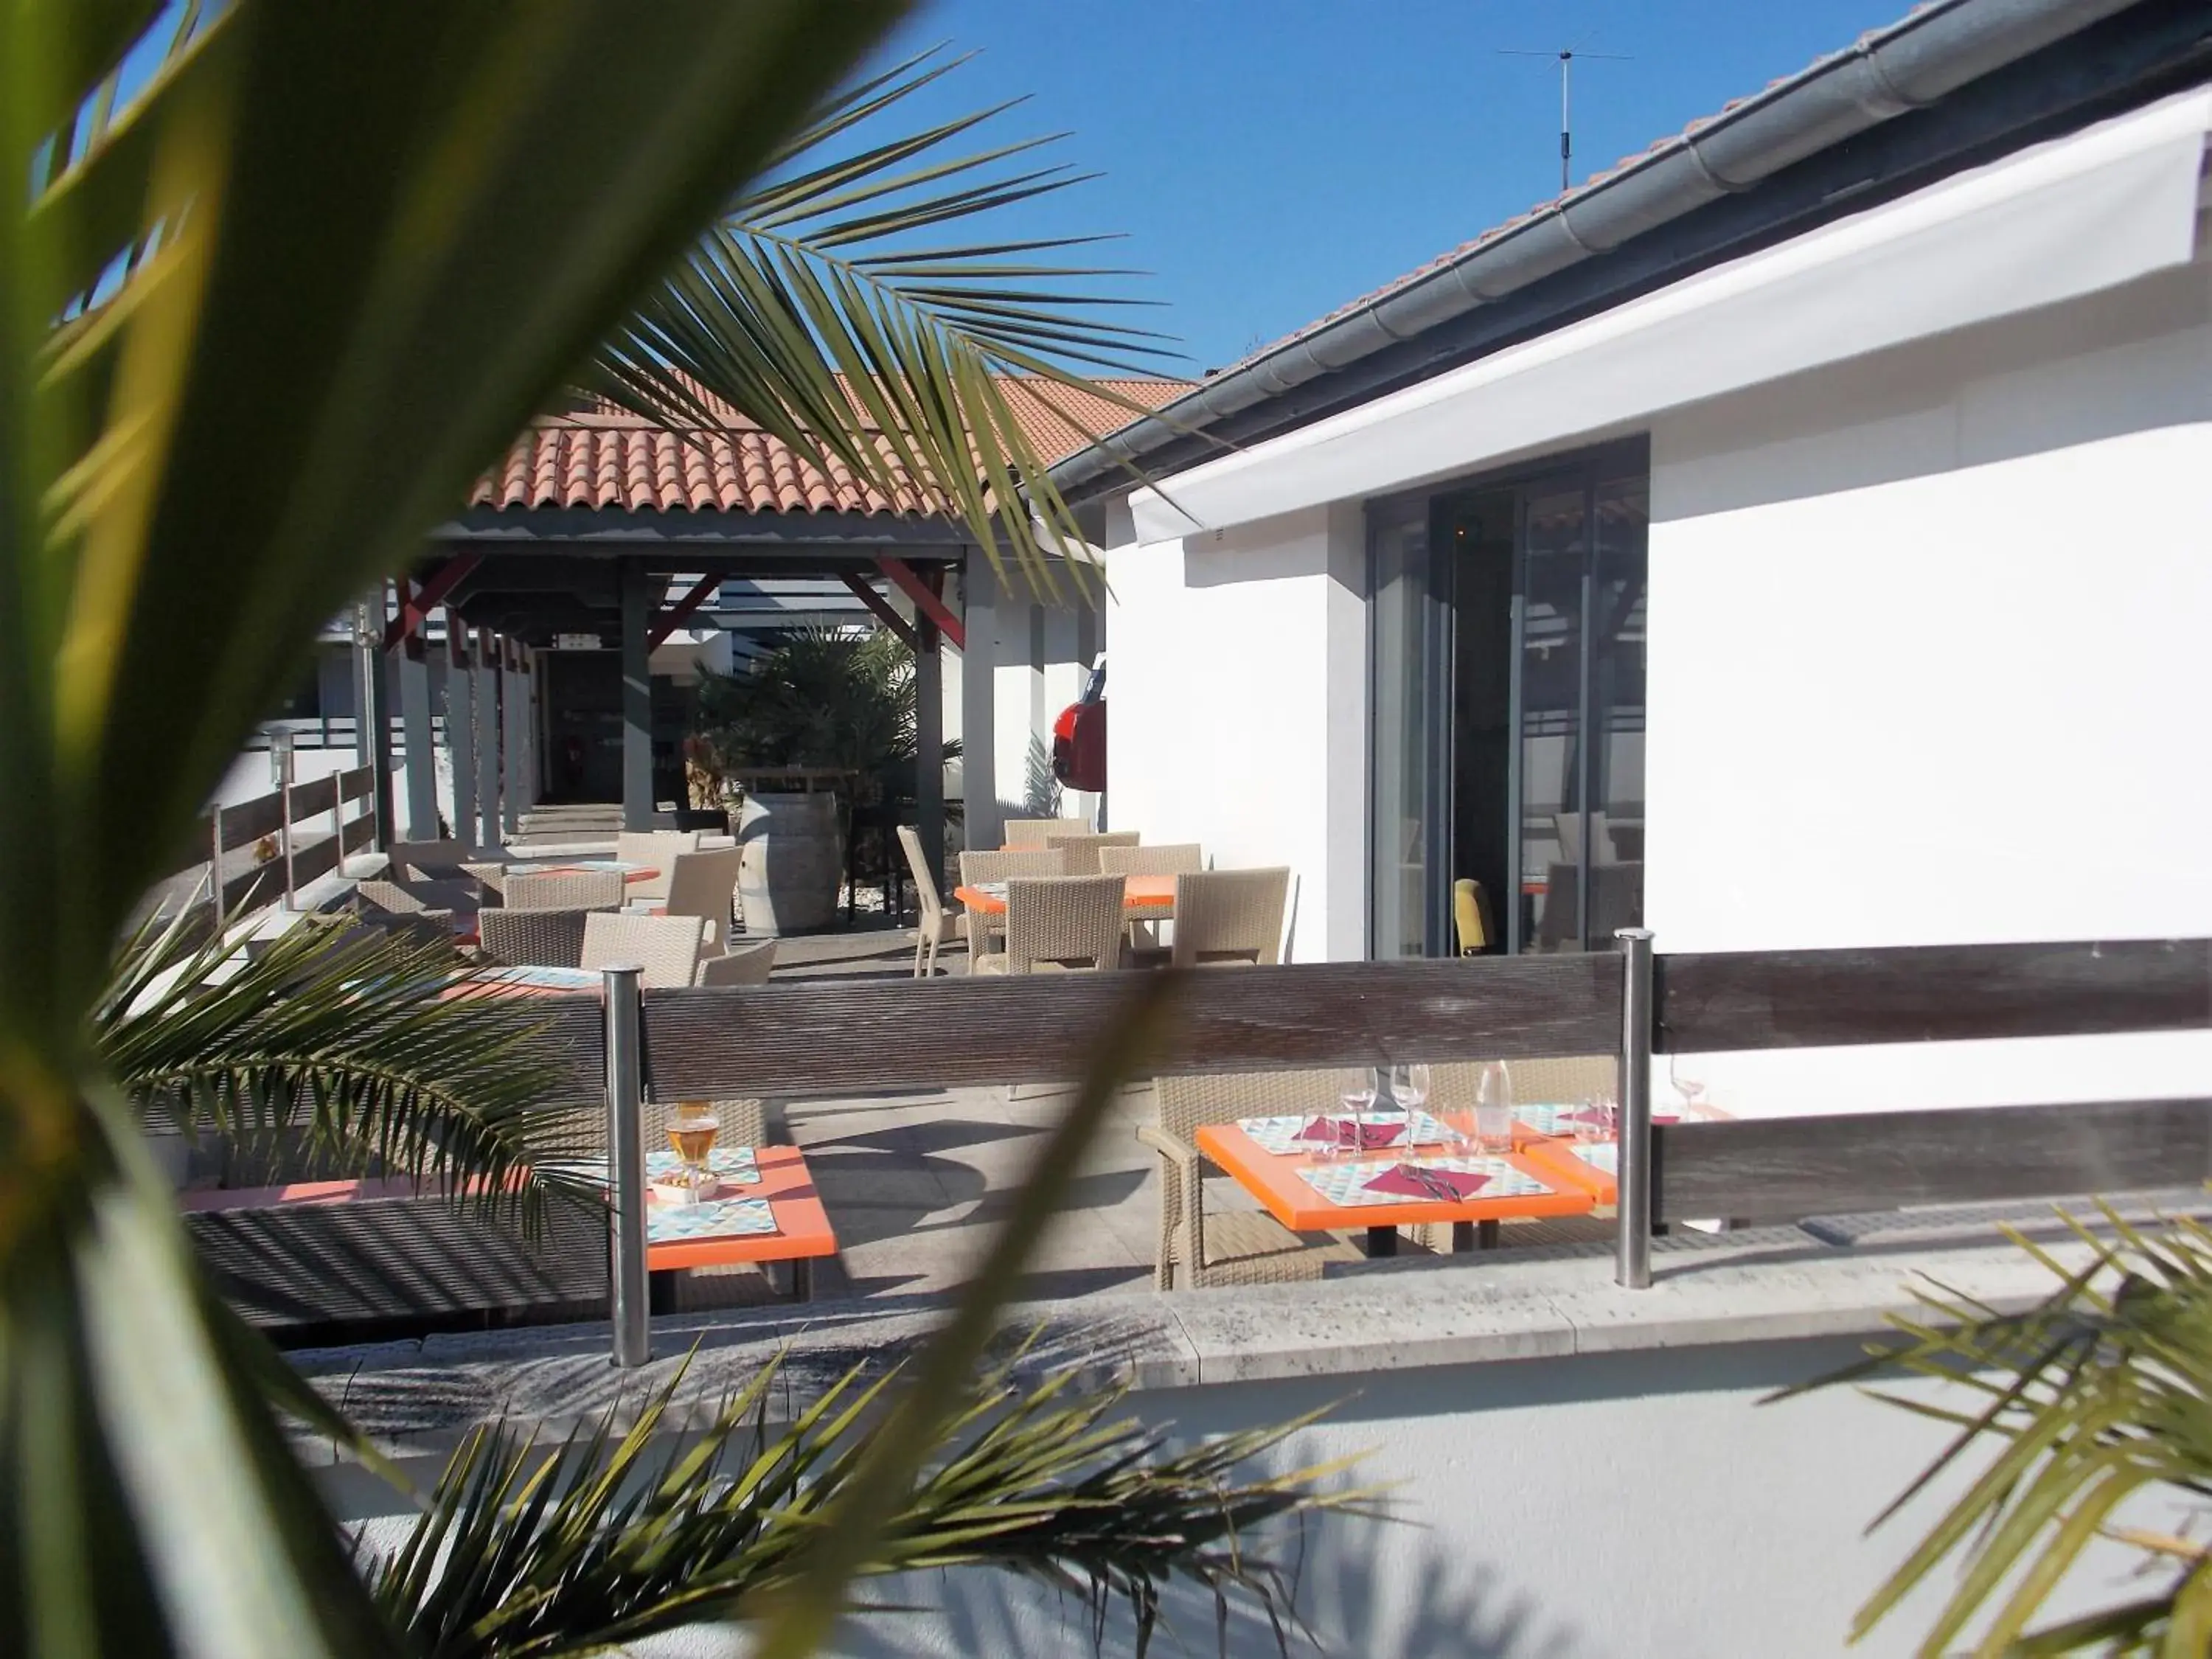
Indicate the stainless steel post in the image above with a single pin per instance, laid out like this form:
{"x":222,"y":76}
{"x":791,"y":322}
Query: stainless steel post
{"x":626,"y":1155}
{"x":1633,"y":1266}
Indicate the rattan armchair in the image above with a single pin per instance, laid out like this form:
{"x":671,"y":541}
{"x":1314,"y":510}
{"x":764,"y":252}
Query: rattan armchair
{"x":1083,"y":846}
{"x":1224,"y":916}
{"x":749,"y":964}
{"x":1161,"y":859}
{"x":1233,"y":1247}
{"x":491,"y":875}
{"x":1058,"y":922}
{"x":936,"y":922}
{"x":585,"y":890}
{"x":1030,"y":832}
{"x":985,"y":932}
{"x":705,"y":885}
{"x":533,"y":938}
{"x":666,"y":947}
{"x":656,"y":849}
{"x":392,"y":908}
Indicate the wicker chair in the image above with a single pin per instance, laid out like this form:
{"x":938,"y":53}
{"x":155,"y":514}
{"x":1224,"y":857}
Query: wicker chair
{"x":533,"y":938}
{"x":986,"y":932}
{"x":1232,"y":1247}
{"x":936,"y":922}
{"x":1162,"y":858}
{"x":749,"y":964}
{"x":1230,"y":916}
{"x":1083,"y":848}
{"x":704,"y":884}
{"x":491,"y":877}
{"x":1030,"y":832}
{"x":666,"y":947}
{"x":1056,"y":922}
{"x":587,"y":889}
{"x":657,"y":849}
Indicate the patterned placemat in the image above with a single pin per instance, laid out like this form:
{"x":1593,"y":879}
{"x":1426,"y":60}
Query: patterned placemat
{"x":1346,"y":1183}
{"x":541,"y":979}
{"x":1280,"y":1134}
{"x":1600,"y":1155}
{"x":732,"y":1165}
{"x":718,"y":1218}
{"x":1558,"y":1117}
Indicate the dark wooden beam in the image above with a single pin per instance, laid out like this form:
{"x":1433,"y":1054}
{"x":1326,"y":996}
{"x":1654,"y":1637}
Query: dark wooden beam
{"x":925,"y":601}
{"x":1788,"y":1168}
{"x":415,"y":610}
{"x":1932,"y":994}
{"x":672,"y":618}
{"x":865,"y":591}
{"x":614,"y":533}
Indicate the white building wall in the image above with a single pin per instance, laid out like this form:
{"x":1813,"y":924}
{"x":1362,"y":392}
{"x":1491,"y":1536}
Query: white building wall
{"x":1238,"y":696}
{"x":1928,"y":665}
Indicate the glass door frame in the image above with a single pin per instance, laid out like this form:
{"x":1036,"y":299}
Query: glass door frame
{"x":1584,"y":470}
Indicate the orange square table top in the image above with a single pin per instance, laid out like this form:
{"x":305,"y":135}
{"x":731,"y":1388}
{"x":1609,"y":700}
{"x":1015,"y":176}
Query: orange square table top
{"x":1291,"y":1199}
{"x":1154,"y":894}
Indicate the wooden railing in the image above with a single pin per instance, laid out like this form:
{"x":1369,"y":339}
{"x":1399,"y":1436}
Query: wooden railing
{"x":329,"y":812}
{"x":804,"y":1038}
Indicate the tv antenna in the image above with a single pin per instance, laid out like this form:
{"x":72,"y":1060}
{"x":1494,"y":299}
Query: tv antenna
{"x":1567,"y":56}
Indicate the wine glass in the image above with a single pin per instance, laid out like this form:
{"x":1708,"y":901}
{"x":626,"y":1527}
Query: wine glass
{"x":1358,"y":1102}
{"x":1409,"y":1091}
{"x":693,"y":1135}
{"x":1493,"y":1108}
{"x":1689,"y":1090}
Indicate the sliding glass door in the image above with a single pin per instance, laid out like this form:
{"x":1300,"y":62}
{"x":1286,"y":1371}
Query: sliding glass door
{"x":1507,"y":650}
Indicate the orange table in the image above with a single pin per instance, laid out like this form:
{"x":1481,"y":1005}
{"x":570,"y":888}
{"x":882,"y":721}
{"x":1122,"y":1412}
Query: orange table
{"x":1145,"y":897}
{"x":802,"y":1234}
{"x":628,"y":872}
{"x":1551,"y":1153}
{"x":1274,"y":1179}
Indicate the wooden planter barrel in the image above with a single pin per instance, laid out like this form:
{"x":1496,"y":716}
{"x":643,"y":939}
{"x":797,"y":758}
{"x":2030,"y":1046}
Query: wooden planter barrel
{"x":791,"y":861}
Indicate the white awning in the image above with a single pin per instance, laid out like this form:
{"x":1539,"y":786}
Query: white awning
{"x":2102,"y":207}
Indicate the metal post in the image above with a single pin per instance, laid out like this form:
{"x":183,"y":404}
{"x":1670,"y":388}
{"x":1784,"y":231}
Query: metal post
{"x":280,"y":758}
{"x":626,"y":1152}
{"x":640,"y":593}
{"x":1633,"y":1177}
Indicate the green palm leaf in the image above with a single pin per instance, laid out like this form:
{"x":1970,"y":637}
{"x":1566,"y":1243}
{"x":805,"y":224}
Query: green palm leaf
{"x":610,"y":1538}
{"x":814,"y":311}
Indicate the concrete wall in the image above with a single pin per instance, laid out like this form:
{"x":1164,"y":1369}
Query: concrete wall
{"x":1238,"y":691}
{"x":1928,"y":665}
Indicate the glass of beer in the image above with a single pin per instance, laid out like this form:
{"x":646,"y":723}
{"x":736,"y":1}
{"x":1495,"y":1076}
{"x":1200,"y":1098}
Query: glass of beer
{"x":693,"y":1135}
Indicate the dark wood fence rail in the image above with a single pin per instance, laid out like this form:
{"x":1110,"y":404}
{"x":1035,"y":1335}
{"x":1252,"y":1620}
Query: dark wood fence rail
{"x":798,"y":1039}
{"x":314,"y":807}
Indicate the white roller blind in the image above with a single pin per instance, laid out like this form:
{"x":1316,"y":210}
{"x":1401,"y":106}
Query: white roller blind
{"x":2086,"y":212}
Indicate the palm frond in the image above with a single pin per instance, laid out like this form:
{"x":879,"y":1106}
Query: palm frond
{"x":2098,"y":1393}
{"x":376,"y":1052}
{"x":815,"y":311}
{"x":526,"y":1551}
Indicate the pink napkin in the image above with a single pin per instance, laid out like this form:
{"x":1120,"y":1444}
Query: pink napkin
{"x":1411,"y":1182}
{"x":1342,"y":1131}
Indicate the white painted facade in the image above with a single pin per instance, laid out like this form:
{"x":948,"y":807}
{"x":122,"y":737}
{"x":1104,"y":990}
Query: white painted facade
{"x":1926,"y":658}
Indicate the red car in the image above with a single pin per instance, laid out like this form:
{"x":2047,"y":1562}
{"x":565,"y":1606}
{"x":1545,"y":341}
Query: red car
{"x":1079,"y":736}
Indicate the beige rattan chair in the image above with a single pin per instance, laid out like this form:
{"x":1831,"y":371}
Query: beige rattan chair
{"x":1057,"y":922}
{"x":1030,"y":832}
{"x":936,"y":922}
{"x":491,"y":877}
{"x":704,"y":884}
{"x":1167,"y":859}
{"x":985,"y":932}
{"x":587,"y":889}
{"x":749,"y":964}
{"x":533,"y":938}
{"x":744,"y":1123}
{"x":666,"y":947}
{"x":1083,"y":848}
{"x":657,"y":849}
{"x":1232,"y":1247}
{"x":1225,"y":916}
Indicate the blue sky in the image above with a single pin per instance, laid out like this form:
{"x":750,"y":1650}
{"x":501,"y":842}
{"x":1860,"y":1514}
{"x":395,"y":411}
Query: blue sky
{"x":1270,"y":159}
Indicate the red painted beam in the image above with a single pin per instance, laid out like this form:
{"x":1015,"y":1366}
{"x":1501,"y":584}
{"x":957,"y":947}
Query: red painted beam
{"x":925,"y":601}
{"x":673,"y":617}
{"x":865,"y":592}
{"x":414,"y":611}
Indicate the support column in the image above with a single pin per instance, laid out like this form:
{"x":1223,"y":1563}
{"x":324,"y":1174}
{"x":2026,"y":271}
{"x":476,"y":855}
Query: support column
{"x":528,"y":724}
{"x":929,"y":745}
{"x":422,"y":761}
{"x":510,"y":746}
{"x":372,"y":730}
{"x":978,"y":789}
{"x":487,"y":702}
{"x":461,"y":729}
{"x":640,"y":594}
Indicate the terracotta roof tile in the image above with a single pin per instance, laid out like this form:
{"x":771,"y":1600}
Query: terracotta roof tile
{"x":606,"y":459}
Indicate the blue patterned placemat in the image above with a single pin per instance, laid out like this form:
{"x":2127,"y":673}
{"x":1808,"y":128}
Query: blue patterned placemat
{"x":1280,"y":1134}
{"x":1600,"y":1155}
{"x":718,"y":1218}
{"x":1552,"y":1117}
{"x":733,"y":1165}
{"x":1346,"y":1183}
{"x":540,"y":979}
